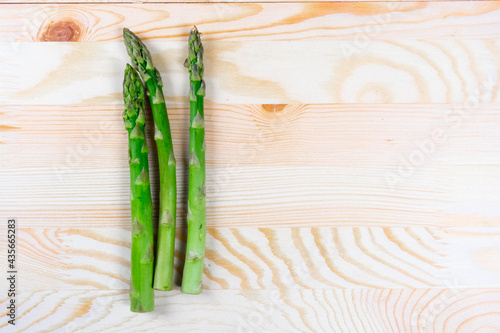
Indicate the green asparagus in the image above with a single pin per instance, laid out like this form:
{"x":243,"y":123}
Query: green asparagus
{"x":141,"y":59}
{"x":196,"y":217}
{"x":142,"y":258}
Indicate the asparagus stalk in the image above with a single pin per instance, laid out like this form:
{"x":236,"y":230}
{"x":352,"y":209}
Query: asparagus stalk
{"x":196,"y":218}
{"x":141,"y":59}
{"x":142,"y":259}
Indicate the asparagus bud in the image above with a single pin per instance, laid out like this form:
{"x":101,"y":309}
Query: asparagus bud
{"x":195,"y":247}
{"x":141,"y":280}
{"x":142,"y":60}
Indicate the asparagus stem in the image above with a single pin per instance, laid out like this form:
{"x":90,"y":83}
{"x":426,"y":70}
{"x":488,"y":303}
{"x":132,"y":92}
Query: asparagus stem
{"x":196,"y":218}
{"x":142,"y":258}
{"x":141,"y":59}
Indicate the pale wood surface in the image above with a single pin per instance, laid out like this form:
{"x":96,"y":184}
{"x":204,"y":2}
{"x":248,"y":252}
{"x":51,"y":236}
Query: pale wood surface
{"x":318,"y":165}
{"x":290,"y":310}
{"x":270,"y":258}
{"x":353,"y":165}
{"x":460,"y":73}
{"x":348,"y":21}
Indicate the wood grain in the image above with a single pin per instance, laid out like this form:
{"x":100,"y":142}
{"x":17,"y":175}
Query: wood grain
{"x":317,"y":310}
{"x":360,"y":165}
{"x":457,"y":72}
{"x":355,"y":22}
{"x":272,"y":258}
{"x":353,"y":170}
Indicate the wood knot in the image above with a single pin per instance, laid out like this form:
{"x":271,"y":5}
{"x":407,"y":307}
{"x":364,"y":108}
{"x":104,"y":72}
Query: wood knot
{"x":65,"y":30}
{"x":273,"y":107}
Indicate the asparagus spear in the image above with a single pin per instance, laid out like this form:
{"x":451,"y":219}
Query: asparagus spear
{"x":195,"y":248}
{"x":141,"y":280}
{"x":141,"y":59}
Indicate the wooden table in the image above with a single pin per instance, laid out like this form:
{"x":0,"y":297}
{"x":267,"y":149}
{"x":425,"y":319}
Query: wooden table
{"x":353,"y":165}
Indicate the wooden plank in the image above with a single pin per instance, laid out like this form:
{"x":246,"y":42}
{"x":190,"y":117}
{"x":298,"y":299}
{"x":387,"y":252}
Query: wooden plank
{"x":459,"y":72}
{"x":340,"y":3}
{"x":317,"y":310}
{"x":357,"y":22}
{"x":292,"y":165}
{"x":271,"y":258}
